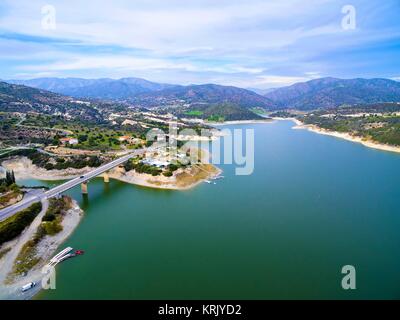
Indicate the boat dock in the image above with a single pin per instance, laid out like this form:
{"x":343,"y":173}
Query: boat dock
{"x":63,"y":255}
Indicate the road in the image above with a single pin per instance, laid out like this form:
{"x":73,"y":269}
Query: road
{"x":30,"y":197}
{"x":26,"y":202}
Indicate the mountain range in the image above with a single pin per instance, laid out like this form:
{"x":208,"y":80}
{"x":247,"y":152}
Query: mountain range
{"x":104,"y":88}
{"x":19,"y":98}
{"x":205,"y":94}
{"x":329,"y":92}
{"x":207,"y":100}
{"x":228,"y":102}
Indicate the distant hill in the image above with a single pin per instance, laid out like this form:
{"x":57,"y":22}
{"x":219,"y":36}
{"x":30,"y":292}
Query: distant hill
{"x":206,"y":94}
{"x":216,"y":112}
{"x":262,"y":92}
{"x":214,"y":100}
{"x":105,"y":88}
{"x":208,"y":101}
{"x":332,"y":92}
{"x":19,"y":98}
{"x":136,"y":89}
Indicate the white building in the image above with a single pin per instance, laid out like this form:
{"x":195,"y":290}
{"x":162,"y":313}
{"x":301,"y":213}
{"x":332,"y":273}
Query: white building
{"x":70,"y":141}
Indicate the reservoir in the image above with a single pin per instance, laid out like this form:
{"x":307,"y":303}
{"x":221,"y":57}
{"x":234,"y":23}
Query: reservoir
{"x":313,"y":205}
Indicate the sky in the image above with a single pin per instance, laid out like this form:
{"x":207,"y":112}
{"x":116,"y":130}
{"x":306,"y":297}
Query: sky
{"x":246,"y":43}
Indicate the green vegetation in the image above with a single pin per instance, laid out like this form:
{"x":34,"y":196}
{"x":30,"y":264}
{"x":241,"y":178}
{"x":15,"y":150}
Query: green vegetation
{"x":51,"y":225}
{"x":140,"y":167}
{"x":26,"y":259}
{"x":218,"y":112}
{"x":259,"y":111}
{"x":14,"y":225}
{"x":170,"y":169}
{"x":282,"y":114}
{"x":24,"y":99}
{"x":8,"y":183}
{"x":51,"y":221}
{"x":9,"y":190}
{"x":12,"y":132}
{"x":215,"y":118}
{"x":145,"y":168}
{"x":194,"y":113}
{"x":48,"y":162}
{"x":376,"y":122}
{"x":91,"y":136}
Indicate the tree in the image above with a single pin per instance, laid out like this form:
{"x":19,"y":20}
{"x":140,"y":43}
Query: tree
{"x":82,"y":138}
{"x":167,"y":173}
{"x":128,"y":166}
{"x":10,"y":178}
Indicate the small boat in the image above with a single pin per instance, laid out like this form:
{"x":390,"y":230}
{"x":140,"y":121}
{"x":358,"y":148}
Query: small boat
{"x":208,"y":181}
{"x":79,"y":252}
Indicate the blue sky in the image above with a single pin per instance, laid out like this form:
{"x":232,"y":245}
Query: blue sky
{"x":247,"y":43}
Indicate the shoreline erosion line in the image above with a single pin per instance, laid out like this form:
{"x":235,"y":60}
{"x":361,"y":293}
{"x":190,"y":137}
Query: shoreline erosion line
{"x":342,"y":135}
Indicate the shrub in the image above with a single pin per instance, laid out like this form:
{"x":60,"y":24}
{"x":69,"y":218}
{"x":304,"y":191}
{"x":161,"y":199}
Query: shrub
{"x":13,"y":226}
{"x":52,"y":228}
{"x":49,"y":216}
{"x":167,"y":174}
{"x":172,"y":167}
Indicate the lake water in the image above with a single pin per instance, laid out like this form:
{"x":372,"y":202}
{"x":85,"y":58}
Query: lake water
{"x":313,"y":204}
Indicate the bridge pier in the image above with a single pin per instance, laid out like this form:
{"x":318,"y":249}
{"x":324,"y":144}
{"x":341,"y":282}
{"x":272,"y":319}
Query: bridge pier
{"x":84,"y":187}
{"x":106,"y":177}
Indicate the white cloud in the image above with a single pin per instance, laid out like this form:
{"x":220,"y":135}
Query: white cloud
{"x":249,"y":42}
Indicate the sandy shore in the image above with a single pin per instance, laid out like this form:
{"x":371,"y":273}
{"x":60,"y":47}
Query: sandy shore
{"x":45,"y":249}
{"x":24,"y":169}
{"x":346,"y":136}
{"x":160,"y":182}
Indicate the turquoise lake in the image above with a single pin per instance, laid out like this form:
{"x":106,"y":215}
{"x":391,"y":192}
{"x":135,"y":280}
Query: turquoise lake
{"x":313,"y":204}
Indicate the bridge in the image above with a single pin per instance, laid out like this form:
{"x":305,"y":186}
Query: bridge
{"x":82,"y":180}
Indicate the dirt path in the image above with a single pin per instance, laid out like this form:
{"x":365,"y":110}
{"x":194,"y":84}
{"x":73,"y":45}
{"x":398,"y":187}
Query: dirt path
{"x":7,"y":262}
{"x":46,"y":248}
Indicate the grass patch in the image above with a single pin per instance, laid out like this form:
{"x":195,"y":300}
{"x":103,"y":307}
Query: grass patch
{"x":51,"y":221}
{"x":26,"y":258}
{"x":259,"y":111}
{"x":216,"y":118}
{"x":196,"y":113}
